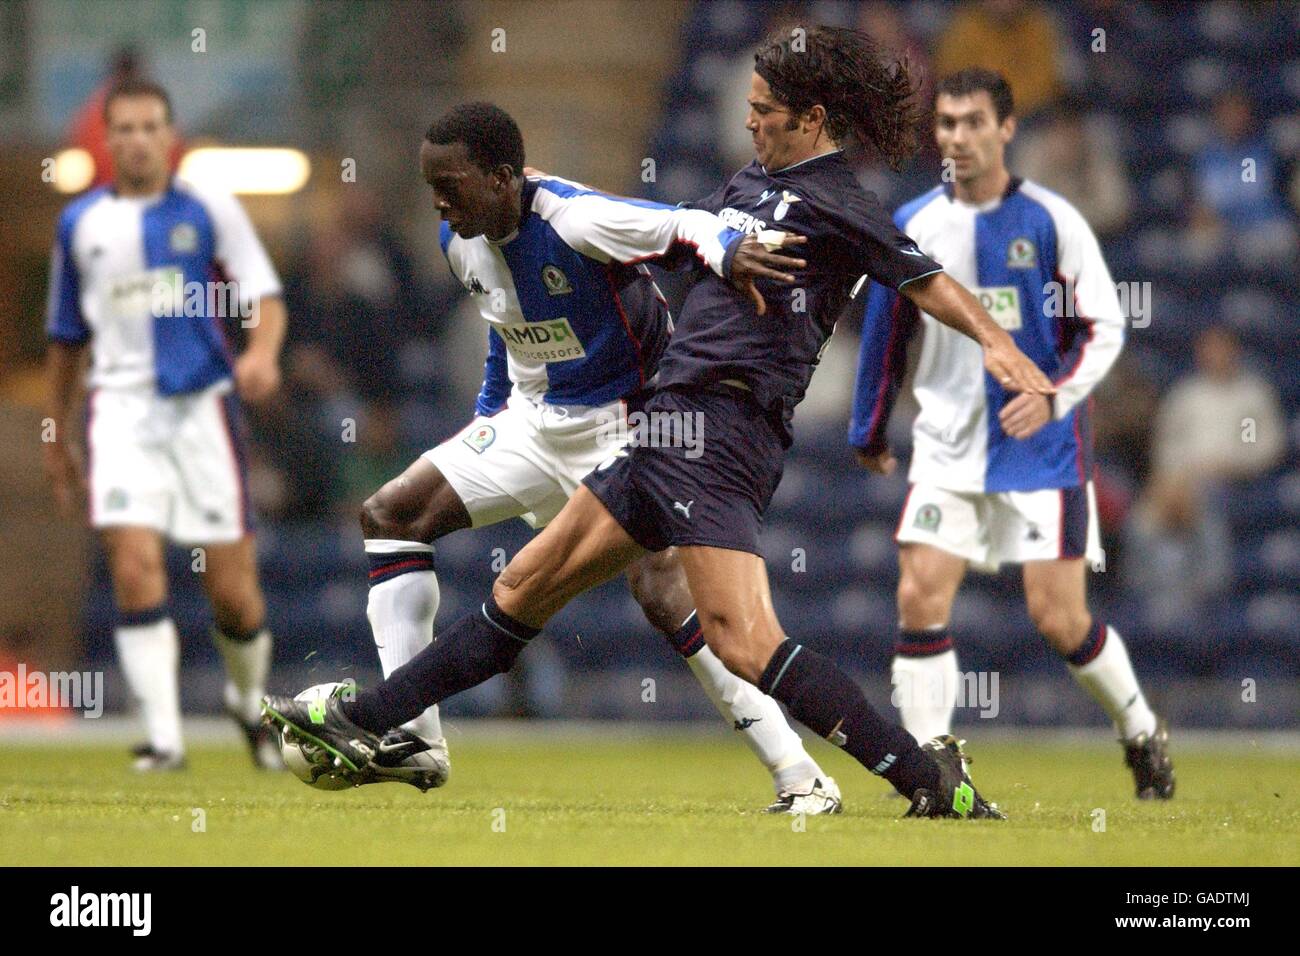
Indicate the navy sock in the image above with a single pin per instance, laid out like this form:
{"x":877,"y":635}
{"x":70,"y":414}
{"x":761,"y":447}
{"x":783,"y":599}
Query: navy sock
{"x":823,"y":698}
{"x":1087,"y":652}
{"x":475,"y":648}
{"x":689,"y":637}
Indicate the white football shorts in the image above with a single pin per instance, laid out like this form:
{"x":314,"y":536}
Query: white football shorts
{"x":528,"y":459}
{"x":1009,"y":527}
{"x":174,"y":463}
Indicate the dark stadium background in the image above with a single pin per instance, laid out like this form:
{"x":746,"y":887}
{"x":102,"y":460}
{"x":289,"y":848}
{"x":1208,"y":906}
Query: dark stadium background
{"x":379,"y":333}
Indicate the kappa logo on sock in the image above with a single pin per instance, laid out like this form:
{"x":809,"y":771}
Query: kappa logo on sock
{"x":746,"y":722}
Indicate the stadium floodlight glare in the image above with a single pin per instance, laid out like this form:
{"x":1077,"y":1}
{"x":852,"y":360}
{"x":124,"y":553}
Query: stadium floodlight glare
{"x":74,"y":170}
{"x":247,"y":170}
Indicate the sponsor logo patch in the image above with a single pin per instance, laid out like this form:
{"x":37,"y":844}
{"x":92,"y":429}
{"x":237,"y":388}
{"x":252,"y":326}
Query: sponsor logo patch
{"x":551,"y":341}
{"x":1002,"y":303}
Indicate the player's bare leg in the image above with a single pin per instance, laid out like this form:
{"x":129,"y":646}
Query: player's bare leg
{"x":583,"y":547}
{"x":734,"y":602}
{"x":400,"y":522}
{"x":229,"y":576}
{"x":1056,"y":594}
{"x":658,"y":583}
{"x":924,"y":668}
{"x":148,"y":647}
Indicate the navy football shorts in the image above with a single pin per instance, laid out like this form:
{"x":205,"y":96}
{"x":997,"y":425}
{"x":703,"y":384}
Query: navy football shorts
{"x":701,"y":469}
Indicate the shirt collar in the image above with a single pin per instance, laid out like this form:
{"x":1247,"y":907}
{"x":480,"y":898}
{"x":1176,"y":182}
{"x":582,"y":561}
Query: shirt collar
{"x":810,"y":159}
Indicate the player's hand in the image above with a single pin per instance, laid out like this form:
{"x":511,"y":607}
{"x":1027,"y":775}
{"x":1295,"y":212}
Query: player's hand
{"x":752,"y":260}
{"x":1013,"y":369}
{"x":257,"y":376}
{"x":1025,"y":414}
{"x":881,"y":463}
{"x":64,"y":467}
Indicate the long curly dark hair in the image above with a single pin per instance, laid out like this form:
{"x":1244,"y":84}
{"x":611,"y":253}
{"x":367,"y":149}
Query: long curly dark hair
{"x":867,"y":92}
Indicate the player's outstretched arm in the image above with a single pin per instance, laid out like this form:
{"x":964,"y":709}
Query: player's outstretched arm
{"x":948,"y":301}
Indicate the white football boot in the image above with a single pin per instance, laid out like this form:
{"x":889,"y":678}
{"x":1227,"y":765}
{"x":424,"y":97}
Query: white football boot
{"x":814,"y":796}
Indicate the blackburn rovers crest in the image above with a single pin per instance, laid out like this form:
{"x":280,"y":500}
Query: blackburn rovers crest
{"x":184,"y":238}
{"x":928,"y":517}
{"x":480,"y":438}
{"x":556,"y":282}
{"x":1021,"y":254}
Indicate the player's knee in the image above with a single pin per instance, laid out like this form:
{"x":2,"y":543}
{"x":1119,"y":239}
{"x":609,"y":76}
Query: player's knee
{"x":1063,"y":628}
{"x":734,"y":644}
{"x":378,"y":519}
{"x":238,"y":608}
{"x":653,"y":590}
{"x":510,"y":590}
{"x":138,"y":580}
{"x":919,"y":606}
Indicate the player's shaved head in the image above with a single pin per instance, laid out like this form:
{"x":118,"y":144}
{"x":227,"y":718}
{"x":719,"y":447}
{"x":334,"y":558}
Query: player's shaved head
{"x":491,"y":137}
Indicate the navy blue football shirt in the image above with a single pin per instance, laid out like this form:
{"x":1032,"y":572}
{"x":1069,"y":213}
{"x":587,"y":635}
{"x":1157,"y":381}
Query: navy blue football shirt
{"x":720,"y":335}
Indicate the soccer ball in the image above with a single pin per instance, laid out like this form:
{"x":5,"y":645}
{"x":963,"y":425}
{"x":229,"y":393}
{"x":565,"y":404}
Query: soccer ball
{"x":306,"y":761}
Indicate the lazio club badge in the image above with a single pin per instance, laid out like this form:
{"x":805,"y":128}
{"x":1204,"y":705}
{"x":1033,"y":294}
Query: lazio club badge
{"x":556,"y":282}
{"x":928,"y":517}
{"x":1021,"y":254}
{"x":480,"y":438}
{"x":184,"y":238}
{"x":783,"y":206}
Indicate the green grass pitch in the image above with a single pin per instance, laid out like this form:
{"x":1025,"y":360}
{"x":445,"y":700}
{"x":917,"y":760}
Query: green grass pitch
{"x":641,"y":801}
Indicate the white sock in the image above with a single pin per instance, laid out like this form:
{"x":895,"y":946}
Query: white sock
{"x":401,"y":612}
{"x":150,"y":656}
{"x":759,"y":718}
{"x":925,"y":692}
{"x":248,"y":663}
{"x":1109,"y":678}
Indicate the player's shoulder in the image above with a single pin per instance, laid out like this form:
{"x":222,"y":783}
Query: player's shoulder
{"x":205,"y":193}
{"x":76,"y":209}
{"x":218,"y":203}
{"x":1062,"y":212}
{"x":910,"y":210}
{"x":555,"y":195}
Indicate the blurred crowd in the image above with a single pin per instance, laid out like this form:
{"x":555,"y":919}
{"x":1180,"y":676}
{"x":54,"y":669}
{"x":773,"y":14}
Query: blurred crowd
{"x":1164,"y":124}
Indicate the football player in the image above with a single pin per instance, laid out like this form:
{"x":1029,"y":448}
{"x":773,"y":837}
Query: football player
{"x":132,"y":286}
{"x":1000,"y":478}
